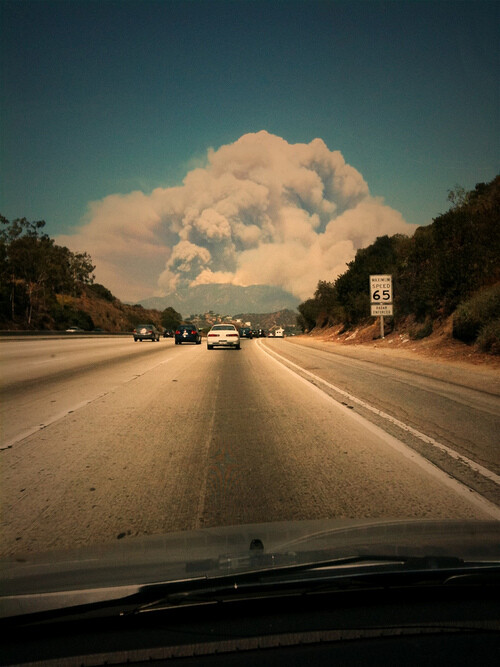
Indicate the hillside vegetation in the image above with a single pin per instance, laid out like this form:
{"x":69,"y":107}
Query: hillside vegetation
{"x":44,"y":286}
{"x":448,"y":268}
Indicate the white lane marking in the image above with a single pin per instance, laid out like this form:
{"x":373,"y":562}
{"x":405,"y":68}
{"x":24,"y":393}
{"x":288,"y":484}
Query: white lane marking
{"x":477,"y":467}
{"x":60,"y":415}
{"x":35,"y":429}
{"x":461,"y":489}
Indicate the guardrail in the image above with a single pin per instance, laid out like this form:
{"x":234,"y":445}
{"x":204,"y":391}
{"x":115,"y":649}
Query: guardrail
{"x":9,"y":333}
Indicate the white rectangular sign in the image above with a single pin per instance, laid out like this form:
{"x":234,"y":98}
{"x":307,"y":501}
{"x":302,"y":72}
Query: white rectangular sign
{"x":380,"y":290}
{"x":381,"y":309}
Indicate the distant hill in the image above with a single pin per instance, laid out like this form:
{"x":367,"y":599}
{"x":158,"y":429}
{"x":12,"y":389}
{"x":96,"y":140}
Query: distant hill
{"x":225,"y":299}
{"x":94,"y":309}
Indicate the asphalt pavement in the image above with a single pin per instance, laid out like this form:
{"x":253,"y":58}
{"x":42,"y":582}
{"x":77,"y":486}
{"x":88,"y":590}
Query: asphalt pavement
{"x":108,"y":440}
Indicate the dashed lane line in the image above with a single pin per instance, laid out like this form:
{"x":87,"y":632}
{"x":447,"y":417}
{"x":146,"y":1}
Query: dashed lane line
{"x":61,"y":415}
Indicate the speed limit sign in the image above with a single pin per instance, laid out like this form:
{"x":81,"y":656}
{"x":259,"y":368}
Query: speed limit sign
{"x":381,"y":295}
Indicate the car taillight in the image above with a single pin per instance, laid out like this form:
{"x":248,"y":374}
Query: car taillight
{"x":177,"y":332}
{"x":232,"y":335}
{"x":193,"y":332}
{"x":213,"y":335}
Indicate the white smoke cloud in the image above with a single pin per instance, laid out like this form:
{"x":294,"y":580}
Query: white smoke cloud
{"x":262,"y":211}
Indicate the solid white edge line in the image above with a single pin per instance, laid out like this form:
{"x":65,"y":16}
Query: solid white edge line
{"x":477,"y":467}
{"x":458,"y":487}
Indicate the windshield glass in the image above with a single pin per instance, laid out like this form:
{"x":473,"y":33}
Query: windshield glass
{"x":319,"y":179}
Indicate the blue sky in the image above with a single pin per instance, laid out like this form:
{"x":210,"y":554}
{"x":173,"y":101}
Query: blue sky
{"x":99,"y":98}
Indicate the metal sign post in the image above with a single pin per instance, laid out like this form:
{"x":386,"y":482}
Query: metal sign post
{"x":381,"y":298}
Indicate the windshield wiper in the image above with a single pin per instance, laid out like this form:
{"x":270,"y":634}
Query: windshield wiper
{"x":267,"y":575}
{"x":352,"y":572}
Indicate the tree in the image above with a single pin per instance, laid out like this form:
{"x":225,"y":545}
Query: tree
{"x":353,"y":285}
{"x":469,"y":244}
{"x":308,"y":310}
{"x":34,"y":269}
{"x":21,"y":256}
{"x":459,"y":196}
{"x":416,"y":288}
{"x":170,"y":318}
{"x":101,"y":292}
{"x":20,"y":227}
{"x":81,"y":269}
{"x":330,"y":310}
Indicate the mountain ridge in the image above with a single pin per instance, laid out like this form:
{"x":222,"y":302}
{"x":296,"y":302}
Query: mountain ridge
{"x":225,"y":299}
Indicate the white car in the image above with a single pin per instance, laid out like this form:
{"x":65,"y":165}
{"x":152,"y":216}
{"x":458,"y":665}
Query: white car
{"x":225,"y":335}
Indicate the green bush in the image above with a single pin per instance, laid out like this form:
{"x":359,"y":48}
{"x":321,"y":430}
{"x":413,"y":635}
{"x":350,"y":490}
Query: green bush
{"x":476,"y":313}
{"x":488,"y":339}
{"x":308,"y":311}
{"x":101,"y":292}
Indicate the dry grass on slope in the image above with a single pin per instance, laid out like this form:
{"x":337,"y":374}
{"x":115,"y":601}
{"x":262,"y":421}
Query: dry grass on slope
{"x":440,"y":344}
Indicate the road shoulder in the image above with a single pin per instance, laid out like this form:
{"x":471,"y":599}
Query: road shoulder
{"x":479,"y":377}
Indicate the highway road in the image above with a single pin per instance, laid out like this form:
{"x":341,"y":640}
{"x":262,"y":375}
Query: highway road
{"x":105,"y":439}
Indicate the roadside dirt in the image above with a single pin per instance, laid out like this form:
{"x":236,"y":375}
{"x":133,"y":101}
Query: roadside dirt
{"x":440,"y":345}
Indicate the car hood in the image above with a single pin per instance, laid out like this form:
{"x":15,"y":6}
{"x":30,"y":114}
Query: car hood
{"x":39,"y":582}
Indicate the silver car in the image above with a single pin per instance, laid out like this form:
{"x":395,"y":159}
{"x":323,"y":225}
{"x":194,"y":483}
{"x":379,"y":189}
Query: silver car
{"x":146,"y":332}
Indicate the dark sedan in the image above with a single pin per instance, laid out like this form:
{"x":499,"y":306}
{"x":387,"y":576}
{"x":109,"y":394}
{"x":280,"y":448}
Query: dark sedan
{"x":187,"y":333}
{"x":246,"y":332}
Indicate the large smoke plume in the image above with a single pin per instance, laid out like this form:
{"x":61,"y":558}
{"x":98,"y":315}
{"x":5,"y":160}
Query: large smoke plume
{"x":261,"y":211}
